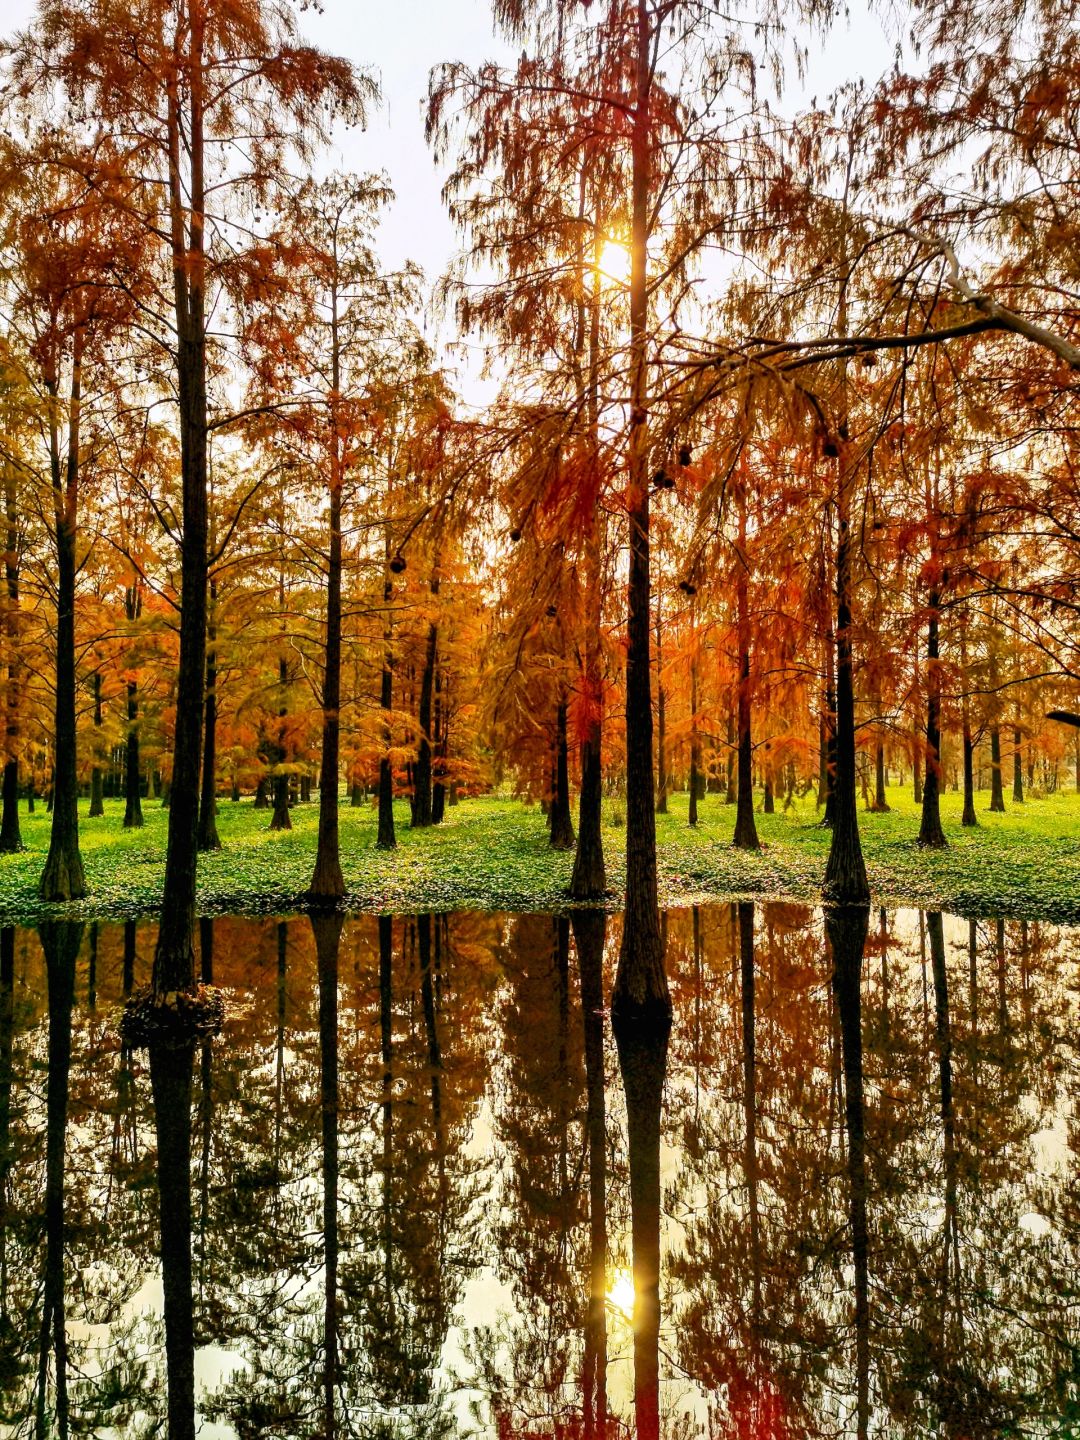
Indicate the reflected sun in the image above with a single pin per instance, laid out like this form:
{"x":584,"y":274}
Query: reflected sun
{"x":620,"y":1293}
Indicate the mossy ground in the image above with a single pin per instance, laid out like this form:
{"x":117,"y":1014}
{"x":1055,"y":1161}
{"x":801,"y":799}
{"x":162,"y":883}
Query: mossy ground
{"x":492,"y":854}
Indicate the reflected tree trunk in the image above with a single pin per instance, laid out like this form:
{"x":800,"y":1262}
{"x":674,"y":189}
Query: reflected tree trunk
{"x":170,"y":1079}
{"x":327,"y":929}
{"x":746,"y":961}
{"x":590,"y":927}
{"x":643,"y":1047}
{"x":847,"y":928}
{"x":60,"y":941}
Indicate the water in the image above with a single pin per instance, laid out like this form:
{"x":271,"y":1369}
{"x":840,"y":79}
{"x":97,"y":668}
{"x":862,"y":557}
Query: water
{"x":412,"y":1143}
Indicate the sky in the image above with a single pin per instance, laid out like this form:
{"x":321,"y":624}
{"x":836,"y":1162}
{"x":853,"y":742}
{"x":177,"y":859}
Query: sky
{"x":400,"y":41}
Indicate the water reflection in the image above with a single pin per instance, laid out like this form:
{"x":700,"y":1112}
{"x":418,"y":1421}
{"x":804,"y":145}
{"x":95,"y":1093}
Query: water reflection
{"x":418,"y":1189}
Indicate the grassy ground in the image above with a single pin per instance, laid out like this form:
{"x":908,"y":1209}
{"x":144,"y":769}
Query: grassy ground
{"x":493,"y":854}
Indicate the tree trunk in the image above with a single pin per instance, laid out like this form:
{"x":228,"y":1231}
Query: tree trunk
{"x":729,"y":764}
{"x":208,"y":835}
{"x":661,"y":725}
{"x":421,"y":806}
{"x":281,"y":819}
{"x":695,"y":742}
{"x":133,"y":816}
{"x":641,"y":987}
{"x":589,"y":880}
{"x":930,"y":831}
{"x":10,"y":833}
{"x":438,"y":782}
{"x":62,"y":878}
{"x":174,"y":957}
{"x":845,"y":872}
{"x":97,"y":800}
{"x":327,"y":881}
{"x":745,"y":837}
{"x":562,"y":826}
{"x":1018,"y":768}
{"x":969,"y":817}
{"x":997,"y":796}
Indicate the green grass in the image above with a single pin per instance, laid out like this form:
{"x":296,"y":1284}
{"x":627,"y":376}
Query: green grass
{"x":492,"y":854}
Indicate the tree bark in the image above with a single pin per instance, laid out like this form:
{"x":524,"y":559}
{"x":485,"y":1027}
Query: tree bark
{"x":641,"y":986}
{"x":133,"y":816}
{"x":421,"y":806}
{"x":745,"y":837}
{"x":930,"y":830}
{"x":997,"y":795}
{"x":562,"y":826}
{"x":62,"y":878}
{"x":661,"y":724}
{"x":174,"y":957}
{"x":845,"y":872}
{"x":208,"y":838}
{"x":10,"y":833}
{"x":327,"y":880}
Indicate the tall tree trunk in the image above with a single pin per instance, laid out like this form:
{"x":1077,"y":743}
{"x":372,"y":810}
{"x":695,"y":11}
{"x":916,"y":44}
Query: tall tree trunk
{"x":174,"y":957}
{"x":133,"y":816}
{"x":845,"y":872}
{"x":562,"y":826}
{"x":62,"y":878}
{"x":97,"y":799}
{"x":438,"y":781}
{"x":1018,"y":767}
{"x":997,"y":795}
{"x":661,"y":723}
{"x":829,"y":817}
{"x":969,"y":817}
{"x":729,"y":762}
{"x":695,"y":741}
{"x":279,"y":785}
{"x":745,"y":836}
{"x":930,"y":831}
{"x":421,"y":807}
{"x":640,"y":982}
{"x":327,"y":880}
{"x":208,"y":838}
{"x":10,"y":833}
{"x":387,"y":839}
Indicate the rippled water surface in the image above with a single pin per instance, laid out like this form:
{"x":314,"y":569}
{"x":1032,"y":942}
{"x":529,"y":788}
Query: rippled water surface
{"x":428,"y":1196}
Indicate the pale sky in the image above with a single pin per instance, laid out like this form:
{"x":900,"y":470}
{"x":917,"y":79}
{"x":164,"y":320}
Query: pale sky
{"x":401,"y":40}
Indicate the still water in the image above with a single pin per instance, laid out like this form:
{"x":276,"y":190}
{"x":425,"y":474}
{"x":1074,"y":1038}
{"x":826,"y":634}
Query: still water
{"x":415,"y":1189}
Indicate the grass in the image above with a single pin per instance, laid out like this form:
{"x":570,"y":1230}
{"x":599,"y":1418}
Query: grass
{"x":492,"y":854}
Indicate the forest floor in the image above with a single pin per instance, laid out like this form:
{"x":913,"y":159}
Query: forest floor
{"x":492,"y":854}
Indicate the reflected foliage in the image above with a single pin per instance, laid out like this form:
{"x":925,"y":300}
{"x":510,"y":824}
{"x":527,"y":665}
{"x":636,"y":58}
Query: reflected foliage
{"x":416,"y":1189}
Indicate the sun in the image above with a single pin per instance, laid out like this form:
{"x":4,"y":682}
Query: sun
{"x":620,"y":1294}
{"x":614,"y":262}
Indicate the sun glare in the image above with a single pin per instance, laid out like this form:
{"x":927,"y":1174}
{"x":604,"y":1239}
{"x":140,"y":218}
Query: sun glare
{"x":621,"y":1293}
{"x":615,"y":263}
